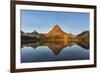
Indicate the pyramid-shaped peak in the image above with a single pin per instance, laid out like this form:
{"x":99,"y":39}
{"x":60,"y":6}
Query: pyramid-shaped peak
{"x":56,"y":26}
{"x":56,"y":30}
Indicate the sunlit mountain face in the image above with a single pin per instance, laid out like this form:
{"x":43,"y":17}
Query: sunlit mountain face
{"x":56,"y":45}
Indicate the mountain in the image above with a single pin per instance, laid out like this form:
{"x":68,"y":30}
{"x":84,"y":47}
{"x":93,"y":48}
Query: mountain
{"x":34,"y":32}
{"x":57,"y":32}
{"x":71,"y":35}
{"x":83,"y":36}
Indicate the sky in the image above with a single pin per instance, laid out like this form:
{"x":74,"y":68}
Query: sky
{"x":43,"y":21}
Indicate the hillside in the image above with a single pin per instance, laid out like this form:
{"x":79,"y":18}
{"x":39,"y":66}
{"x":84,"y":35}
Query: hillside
{"x":83,"y":36}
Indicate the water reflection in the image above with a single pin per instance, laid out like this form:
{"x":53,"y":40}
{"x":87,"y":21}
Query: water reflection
{"x":56,"y":46}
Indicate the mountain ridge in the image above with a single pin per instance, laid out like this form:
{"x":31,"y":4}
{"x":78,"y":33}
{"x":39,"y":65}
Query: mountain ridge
{"x":57,"y":34}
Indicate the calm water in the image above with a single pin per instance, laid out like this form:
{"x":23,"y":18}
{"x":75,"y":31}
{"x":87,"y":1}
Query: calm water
{"x":43,"y":52}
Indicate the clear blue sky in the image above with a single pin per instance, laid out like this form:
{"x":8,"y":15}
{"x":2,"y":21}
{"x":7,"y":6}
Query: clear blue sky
{"x":43,"y":21}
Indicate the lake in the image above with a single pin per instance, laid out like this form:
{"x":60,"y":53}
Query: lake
{"x":54,"y":51}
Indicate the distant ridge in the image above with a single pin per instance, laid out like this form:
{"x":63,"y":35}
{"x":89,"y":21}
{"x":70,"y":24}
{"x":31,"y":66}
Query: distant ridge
{"x":83,"y":36}
{"x":83,"y":33}
{"x":34,"y":32}
{"x":56,"y":34}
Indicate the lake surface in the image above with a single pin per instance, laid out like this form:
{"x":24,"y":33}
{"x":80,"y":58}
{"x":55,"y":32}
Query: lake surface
{"x":53,"y":51}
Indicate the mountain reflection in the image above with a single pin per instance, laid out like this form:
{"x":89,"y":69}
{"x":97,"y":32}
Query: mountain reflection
{"x":55,"y":46}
